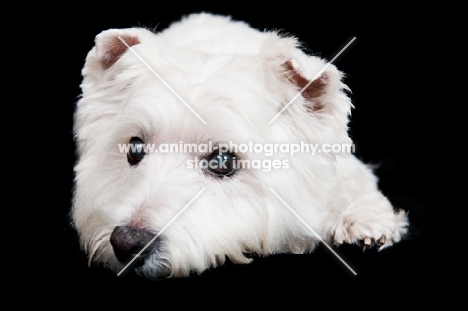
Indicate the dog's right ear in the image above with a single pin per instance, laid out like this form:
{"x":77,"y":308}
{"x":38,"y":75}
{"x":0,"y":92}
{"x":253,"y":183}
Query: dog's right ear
{"x":112,"y":44}
{"x":103,"y":65}
{"x":106,"y":60}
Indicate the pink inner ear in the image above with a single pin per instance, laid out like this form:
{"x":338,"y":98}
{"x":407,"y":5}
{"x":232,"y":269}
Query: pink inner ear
{"x":116,"y":48}
{"x":313,"y":92}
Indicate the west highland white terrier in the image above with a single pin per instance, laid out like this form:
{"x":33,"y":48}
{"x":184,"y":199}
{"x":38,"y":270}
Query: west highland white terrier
{"x":211,"y":140}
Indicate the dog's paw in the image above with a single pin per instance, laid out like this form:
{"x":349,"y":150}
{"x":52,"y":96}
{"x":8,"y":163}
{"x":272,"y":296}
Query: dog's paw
{"x":371,"y":231}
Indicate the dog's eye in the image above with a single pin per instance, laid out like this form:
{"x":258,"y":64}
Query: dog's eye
{"x":220,"y":165}
{"x":136,"y":152}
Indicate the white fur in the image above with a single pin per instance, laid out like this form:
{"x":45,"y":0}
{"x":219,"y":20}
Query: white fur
{"x":233,"y":77}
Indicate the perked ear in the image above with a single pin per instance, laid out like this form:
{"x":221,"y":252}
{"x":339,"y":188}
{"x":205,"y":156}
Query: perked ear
{"x":109,"y":47}
{"x":319,"y":82}
{"x":312,"y":90}
{"x":112,"y":44}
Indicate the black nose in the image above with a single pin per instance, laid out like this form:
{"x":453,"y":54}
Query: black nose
{"x":128,"y":241}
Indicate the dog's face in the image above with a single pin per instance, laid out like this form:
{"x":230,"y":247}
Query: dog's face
{"x":175,"y":215}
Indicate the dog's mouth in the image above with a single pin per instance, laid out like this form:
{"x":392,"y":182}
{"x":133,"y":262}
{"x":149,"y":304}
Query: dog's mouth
{"x":132,"y":244}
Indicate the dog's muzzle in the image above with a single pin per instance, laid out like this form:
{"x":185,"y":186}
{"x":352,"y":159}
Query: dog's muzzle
{"x":128,"y":241}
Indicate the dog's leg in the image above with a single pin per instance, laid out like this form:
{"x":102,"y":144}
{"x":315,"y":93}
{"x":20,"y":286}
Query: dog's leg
{"x":361,"y":214}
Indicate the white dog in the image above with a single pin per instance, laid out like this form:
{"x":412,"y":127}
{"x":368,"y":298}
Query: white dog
{"x":210,"y":81}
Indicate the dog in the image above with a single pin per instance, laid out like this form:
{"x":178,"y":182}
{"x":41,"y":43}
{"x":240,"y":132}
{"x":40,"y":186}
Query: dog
{"x":208,"y":80}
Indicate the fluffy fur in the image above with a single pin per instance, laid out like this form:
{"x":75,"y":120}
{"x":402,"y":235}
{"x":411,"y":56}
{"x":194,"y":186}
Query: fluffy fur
{"x":237,"y":79}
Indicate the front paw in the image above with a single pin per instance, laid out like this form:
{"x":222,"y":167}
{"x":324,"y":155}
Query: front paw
{"x":371,"y":231}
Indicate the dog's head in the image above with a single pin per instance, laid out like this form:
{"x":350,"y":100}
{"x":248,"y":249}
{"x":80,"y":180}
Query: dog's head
{"x":142,"y":88}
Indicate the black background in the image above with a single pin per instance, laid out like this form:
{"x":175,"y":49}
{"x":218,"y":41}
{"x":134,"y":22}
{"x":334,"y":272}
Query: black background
{"x":391,"y":126}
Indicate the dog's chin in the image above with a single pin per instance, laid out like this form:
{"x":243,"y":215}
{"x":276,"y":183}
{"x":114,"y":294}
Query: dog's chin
{"x":154,"y":268}
{"x":147,"y":266}
{"x":134,"y":261}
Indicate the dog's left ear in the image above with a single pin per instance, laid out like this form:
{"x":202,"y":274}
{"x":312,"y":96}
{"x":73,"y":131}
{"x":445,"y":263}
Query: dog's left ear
{"x":313,"y":90}
{"x":316,"y":83}
{"x":320,"y":83}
